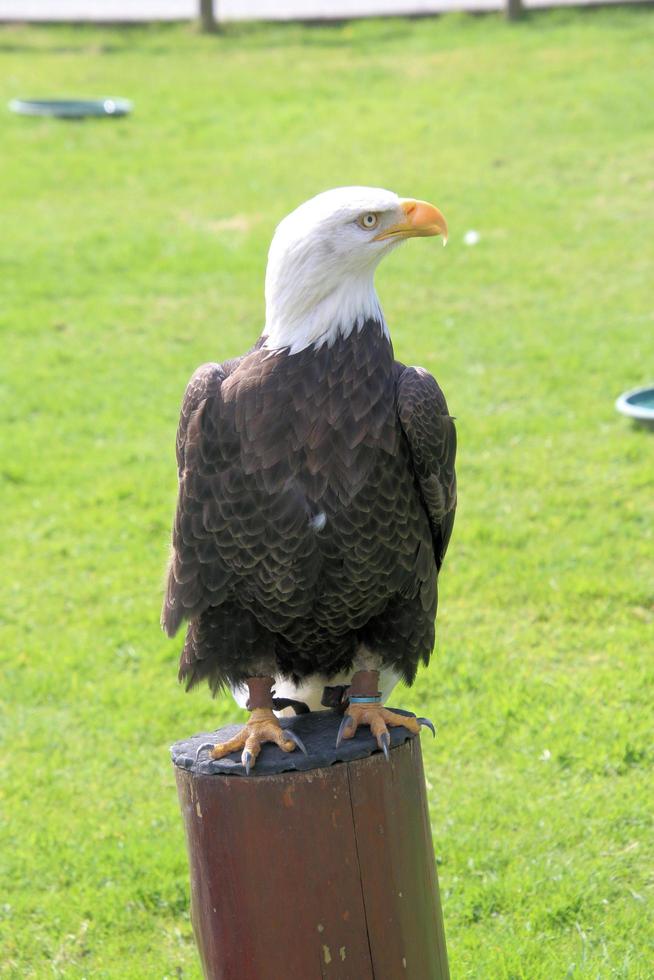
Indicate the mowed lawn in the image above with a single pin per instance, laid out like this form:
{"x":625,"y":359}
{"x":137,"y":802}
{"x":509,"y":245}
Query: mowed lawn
{"x":133,"y":250}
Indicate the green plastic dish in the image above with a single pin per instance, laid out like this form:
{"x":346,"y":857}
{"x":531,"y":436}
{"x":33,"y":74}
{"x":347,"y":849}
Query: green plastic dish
{"x":638,"y":404}
{"x":71,"y":108}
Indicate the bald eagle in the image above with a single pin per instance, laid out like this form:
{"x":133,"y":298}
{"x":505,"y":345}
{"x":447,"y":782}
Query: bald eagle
{"x":316,"y":486}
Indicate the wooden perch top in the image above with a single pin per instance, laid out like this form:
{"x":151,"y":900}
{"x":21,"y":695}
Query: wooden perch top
{"x":317,"y":730}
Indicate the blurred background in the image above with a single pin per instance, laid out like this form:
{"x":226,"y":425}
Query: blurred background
{"x":240,"y":10}
{"x":134,"y":249}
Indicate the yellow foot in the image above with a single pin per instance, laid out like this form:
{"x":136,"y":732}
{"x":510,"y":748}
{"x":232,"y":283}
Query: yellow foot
{"x":262,"y":727}
{"x":378,"y":718}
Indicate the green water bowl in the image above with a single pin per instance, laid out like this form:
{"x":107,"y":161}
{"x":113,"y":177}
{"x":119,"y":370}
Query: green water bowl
{"x":72,"y":108}
{"x":638,"y":405}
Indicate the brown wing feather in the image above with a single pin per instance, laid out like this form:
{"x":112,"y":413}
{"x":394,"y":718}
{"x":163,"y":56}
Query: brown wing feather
{"x":205,"y":382}
{"x":431,"y":435}
{"x":182,"y":579}
{"x":242,"y":525}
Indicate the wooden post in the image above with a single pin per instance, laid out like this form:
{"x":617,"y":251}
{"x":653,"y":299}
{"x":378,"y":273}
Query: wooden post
{"x":322,"y":873}
{"x":513,"y":9}
{"x":208,"y":21}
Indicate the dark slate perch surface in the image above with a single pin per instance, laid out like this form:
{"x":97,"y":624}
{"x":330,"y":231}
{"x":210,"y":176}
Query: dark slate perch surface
{"x":318,"y":731}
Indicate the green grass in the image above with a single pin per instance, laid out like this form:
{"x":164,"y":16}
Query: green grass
{"x":133,"y":250}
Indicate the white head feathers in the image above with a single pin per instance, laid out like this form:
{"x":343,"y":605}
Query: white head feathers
{"x":321,"y":266}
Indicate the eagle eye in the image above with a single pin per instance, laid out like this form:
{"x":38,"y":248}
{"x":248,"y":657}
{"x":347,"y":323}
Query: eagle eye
{"x":368,"y":221}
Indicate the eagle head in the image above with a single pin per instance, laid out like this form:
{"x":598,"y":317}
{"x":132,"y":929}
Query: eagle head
{"x":322,"y":261}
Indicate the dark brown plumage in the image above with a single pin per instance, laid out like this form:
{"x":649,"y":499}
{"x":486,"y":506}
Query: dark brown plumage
{"x":316,"y":502}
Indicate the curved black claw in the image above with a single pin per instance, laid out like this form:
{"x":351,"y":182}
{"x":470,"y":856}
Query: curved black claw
{"x":289,"y":733}
{"x":205,"y":745}
{"x":347,"y":722}
{"x":384,"y":742}
{"x":246,"y":759}
{"x":426,"y":722}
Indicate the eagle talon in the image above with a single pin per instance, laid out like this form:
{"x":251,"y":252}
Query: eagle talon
{"x":289,"y":733}
{"x":201,"y":748}
{"x":427,"y":724}
{"x":345,"y":725}
{"x":379,"y":719}
{"x":262,"y":727}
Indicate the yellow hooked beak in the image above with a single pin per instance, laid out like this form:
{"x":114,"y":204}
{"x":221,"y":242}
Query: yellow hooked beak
{"x":421,"y":221}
